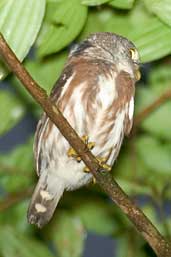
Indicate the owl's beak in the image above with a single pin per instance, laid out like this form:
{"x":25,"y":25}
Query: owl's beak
{"x":137,"y":74}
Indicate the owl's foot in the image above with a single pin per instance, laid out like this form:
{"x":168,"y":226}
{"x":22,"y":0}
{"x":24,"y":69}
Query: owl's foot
{"x":102,"y":163}
{"x":72,"y":153}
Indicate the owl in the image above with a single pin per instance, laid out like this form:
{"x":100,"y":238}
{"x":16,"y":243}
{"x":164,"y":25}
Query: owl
{"x":95,"y":93}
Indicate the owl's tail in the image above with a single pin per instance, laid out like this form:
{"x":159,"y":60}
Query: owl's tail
{"x":45,"y":199}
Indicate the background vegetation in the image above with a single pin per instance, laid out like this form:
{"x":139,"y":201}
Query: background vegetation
{"x":144,"y":165}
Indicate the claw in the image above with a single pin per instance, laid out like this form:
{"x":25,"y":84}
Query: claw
{"x":78,"y":158}
{"x":94,"y":180}
{"x":72,"y":153}
{"x":85,"y":139}
{"x":106,"y":167}
{"x":91,"y":145}
{"x":86,"y":170}
{"x":101,"y":161}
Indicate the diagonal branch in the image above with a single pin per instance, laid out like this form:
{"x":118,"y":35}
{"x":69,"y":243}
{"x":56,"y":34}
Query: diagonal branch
{"x":152,"y":107}
{"x":160,"y":246}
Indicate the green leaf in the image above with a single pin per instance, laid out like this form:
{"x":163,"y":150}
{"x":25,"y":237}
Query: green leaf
{"x":122,"y":4}
{"x":2,"y":3}
{"x":122,"y":247}
{"x":162,"y":8}
{"x":130,"y":172}
{"x":46,"y":72}
{"x":13,"y":243}
{"x":97,"y":217}
{"x":95,"y":22}
{"x":16,"y":168}
{"x":157,"y":122}
{"x":16,"y":217}
{"x":132,"y":187}
{"x":153,"y":40}
{"x":154,"y":37}
{"x":159,"y":77}
{"x":11,"y":111}
{"x":64,"y":21}
{"x":130,"y":245}
{"x":68,"y":235}
{"x":156,"y":155}
{"x":21,"y":152}
{"x":20,"y":22}
{"x":167,"y":225}
{"x":94,"y":2}
{"x":150,"y":212}
{"x":106,"y":19}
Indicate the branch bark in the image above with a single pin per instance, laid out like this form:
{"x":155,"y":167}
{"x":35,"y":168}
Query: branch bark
{"x":161,"y":247}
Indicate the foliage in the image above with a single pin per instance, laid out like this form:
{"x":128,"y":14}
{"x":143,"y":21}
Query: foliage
{"x":11,"y":110}
{"x":144,"y":164}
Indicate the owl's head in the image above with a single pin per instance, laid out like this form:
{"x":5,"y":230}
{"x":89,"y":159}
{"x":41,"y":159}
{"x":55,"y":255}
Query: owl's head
{"x":110,"y":47}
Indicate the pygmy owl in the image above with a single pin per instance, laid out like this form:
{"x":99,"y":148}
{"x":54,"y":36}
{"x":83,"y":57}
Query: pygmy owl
{"x":95,"y":93}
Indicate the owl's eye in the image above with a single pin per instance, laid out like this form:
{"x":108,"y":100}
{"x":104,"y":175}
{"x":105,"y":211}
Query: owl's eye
{"x":133,"y":53}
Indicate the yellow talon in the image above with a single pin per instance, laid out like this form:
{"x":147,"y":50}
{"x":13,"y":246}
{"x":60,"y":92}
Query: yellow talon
{"x":94,"y":180}
{"x":85,"y":139}
{"x":106,"y":167}
{"x":86,"y":169}
{"x":78,"y":158}
{"x":72,"y":153}
{"x":91,"y":145}
{"x":101,"y":161}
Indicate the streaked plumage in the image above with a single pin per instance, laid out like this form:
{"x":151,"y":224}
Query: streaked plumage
{"x":96,"y":95}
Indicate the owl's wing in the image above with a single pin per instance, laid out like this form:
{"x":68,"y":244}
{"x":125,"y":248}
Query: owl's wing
{"x":129,"y":117}
{"x":41,"y":126}
{"x":128,"y":84}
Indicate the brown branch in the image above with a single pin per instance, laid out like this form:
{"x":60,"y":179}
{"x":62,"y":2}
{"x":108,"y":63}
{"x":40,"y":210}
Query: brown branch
{"x":160,"y":246}
{"x":152,"y":107}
